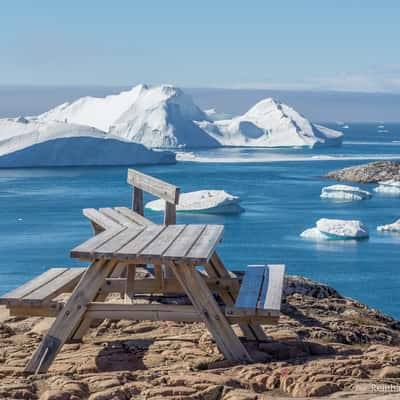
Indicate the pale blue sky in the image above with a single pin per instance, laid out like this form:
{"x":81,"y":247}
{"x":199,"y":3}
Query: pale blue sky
{"x":339,"y":45}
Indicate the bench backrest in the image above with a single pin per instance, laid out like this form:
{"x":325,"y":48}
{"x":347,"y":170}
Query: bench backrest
{"x":142,"y":182}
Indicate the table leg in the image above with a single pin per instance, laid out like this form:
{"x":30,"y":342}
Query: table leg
{"x":130,"y":283}
{"x":70,"y":316}
{"x":216,"y":268}
{"x":205,"y":304}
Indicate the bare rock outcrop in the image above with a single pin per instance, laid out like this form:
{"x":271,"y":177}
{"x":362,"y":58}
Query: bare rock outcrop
{"x":325,"y":346}
{"x":368,"y":173}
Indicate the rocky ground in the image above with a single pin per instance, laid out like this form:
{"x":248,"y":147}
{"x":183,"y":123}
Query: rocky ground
{"x":368,"y":173}
{"x":325,"y":345}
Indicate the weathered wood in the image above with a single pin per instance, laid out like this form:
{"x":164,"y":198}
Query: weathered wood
{"x":229,"y":292}
{"x":70,"y":316}
{"x":207,"y":242}
{"x":130,"y":283}
{"x":137,"y":201}
{"x":169,"y":213}
{"x":50,"y":309}
{"x":110,"y":247}
{"x":116,"y":216}
{"x":55,"y":287}
{"x":99,"y":219}
{"x":251,"y":287}
{"x":162,"y":242}
{"x":86,"y":248}
{"x":132,"y":250}
{"x":135,"y":217}
{"x":275,"y":288}
{"x":15,"y":295}
{"x":154,"y":186}
{"x":205,"y":304}
{"x":178,"y":250}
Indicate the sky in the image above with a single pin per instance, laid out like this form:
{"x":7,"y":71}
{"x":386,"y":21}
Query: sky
{"x":344,"y":45}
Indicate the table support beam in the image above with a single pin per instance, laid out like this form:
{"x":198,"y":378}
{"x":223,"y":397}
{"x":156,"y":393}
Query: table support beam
{"x":205,"y":304}
{"x":71,"y":315}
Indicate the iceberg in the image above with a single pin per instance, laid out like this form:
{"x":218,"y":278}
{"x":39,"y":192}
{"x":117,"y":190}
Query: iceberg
{"x":391,"y":186}
{"x":28,"y":142}
{"x":270,"y":123}
{"x":157,"y":117}
{"x":165,"y":117}
{"x":344,"y":193}
{"x":394,"y":227}
{"x":206,"y":201}
{"x":337,"y":229}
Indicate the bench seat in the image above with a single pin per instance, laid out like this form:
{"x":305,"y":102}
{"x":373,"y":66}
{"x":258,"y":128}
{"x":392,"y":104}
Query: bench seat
{"x":260,"y":294}
{"x":42,"y":289}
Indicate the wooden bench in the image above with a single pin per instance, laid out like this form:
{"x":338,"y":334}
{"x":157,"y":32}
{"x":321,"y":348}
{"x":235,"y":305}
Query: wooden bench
{"x":260,"y":294}
{"x":36,"y":297}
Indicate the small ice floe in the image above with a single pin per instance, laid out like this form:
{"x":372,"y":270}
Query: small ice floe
{"x":395,"y":227}
{"x":389,"y":187}
{"x":206,"y":201}
{"x":336,"y":229}
{"x":344,"y":193}
{"x":345,"y":127}
{"x":19,"y":219}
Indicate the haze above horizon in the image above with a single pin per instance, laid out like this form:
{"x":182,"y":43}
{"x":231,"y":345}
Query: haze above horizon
{"x":309,"y":45}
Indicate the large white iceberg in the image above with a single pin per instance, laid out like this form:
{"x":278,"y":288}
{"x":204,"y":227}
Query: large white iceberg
{"x":160,"y":117}
{"x":344,"y":193}
{"x":389,"y":187}
{"x":33,"y":143}
{"x":336,"y":229}
{"x":395,"y":227}
{"x":165,"y":117}
{"x":270,"y":123}
{"x":209,"y":201}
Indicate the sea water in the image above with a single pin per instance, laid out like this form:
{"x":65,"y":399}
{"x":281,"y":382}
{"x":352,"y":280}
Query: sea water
{"x":41,"y":213}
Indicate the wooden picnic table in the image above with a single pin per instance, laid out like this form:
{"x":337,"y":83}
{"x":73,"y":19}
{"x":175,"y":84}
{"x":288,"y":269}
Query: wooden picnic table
{"x":181,"y":247}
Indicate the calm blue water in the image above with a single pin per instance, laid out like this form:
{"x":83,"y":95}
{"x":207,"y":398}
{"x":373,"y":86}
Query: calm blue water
{"x":41,"y":220}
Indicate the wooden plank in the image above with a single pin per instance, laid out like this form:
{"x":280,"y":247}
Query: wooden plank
{"x":50,"y":309}
{"x":99,"y":219}
{"x":251,"y":287}
{"x":137,"y":201}
{"x":205,"y":304}
{"x":15,"y":295}
{"x":183,"y":243}
{"x":116,"y":216}
{"x":85,"y":249}
{"x":130,"y":283}
{"x":135,"y":217}
{"x":273,"y":299}
{"x":155,"y":186}
{"x":55,"y":287}
{"x":70,"y":317}
{"x":111,"y":246}
{"x":132,"y":250}
{"x":161,"y":244}
{"x":207,"y":242}
{"x":169,"y":213}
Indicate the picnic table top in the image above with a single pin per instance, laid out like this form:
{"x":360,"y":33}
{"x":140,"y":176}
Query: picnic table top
{"x":153,"y":244}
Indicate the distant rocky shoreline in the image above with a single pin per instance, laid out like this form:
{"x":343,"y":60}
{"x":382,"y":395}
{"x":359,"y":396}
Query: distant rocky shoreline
{"x":373,"y":172}
{"x":325,"y":345}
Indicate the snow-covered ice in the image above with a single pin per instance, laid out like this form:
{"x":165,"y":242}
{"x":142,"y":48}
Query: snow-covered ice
{"x":336,"y":229}
{"x":394,"y":227}
{"x":165,"y":117}
{"x":389,"y":187}
{"x":210,"y":201}
{"x":33,"y":143}
{"x":270,"y":123}
{"x":344,"y":193}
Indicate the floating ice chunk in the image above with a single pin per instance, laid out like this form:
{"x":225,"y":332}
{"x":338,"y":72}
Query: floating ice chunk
{"x":208,"y":201}
{"x":395,"y":227}
{"x":314,"y":233}
{"x":344,"y":193}
{"x":337,"y":229}
{"x":389,"y":187}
